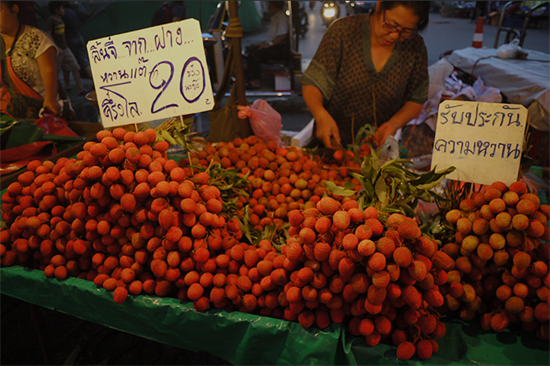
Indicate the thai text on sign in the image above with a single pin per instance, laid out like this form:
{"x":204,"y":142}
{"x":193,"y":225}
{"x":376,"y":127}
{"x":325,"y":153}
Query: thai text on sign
{"x":150,"y":74}
{"x":483,"y":141}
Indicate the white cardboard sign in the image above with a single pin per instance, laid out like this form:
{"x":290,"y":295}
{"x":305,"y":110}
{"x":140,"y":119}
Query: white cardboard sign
{"x":149,"y":74}
{"x":482,"y":140}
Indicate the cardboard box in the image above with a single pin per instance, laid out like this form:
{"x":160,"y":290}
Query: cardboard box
{"x":305,"y":136}
{"x":283,"y":81}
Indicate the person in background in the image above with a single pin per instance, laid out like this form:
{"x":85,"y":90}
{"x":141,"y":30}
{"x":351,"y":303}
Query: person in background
{"x":276,"y":46}
{"x":480,"y":10}
{"x":369,"y":69}
{"x":28,"y":67}
{"x":169,"y":12}
{"x":74,"y":39}
{"x":67,"y":62}
{"x":27,"y":14}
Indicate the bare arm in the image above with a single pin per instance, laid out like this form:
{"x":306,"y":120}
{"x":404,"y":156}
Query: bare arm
{"x":326,"y":125}
{"x":408,"y":112}
{"x":279,"y":39}
{"x":47,"y":63}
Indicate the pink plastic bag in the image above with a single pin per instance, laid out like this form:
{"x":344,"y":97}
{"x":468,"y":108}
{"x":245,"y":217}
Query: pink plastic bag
{"x":265,"y":121}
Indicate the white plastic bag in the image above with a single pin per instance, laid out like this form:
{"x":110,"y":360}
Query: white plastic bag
{"x":264,"y":120}
{"x":508,"y":50}
{"x":389,"y":150}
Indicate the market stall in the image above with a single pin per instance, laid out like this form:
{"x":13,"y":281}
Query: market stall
{"x":260,"y":253}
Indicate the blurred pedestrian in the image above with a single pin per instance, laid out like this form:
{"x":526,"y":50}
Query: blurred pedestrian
{"x":75,"y":41}
{"x":276,"y":47}
{"x":28,"y":67}
{"x":169,"y":12}
{"x":67,"y":62}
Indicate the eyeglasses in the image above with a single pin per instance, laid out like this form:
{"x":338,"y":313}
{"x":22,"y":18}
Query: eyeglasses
{"x":404,"y":33}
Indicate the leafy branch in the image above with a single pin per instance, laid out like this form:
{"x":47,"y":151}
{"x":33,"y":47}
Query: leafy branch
{"x":392,"y":188}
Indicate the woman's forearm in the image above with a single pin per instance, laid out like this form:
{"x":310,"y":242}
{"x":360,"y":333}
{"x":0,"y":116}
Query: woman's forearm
{"x":47,"y":64}
{"x":409,"y":111}
{"x":313,"y":98}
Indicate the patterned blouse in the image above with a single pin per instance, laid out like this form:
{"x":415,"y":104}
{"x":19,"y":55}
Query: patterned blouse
{"x":29,"y":46}
{"x":342,"y":69}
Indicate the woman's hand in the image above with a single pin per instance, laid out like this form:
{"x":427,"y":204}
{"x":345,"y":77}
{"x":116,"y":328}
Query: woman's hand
{"x":385,"y":130}
{"x":53,"y":105}
{"x":327,"y":129}
{"x":264,"y":45}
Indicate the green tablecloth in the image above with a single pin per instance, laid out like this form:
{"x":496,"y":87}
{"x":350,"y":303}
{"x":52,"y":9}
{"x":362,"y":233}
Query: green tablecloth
{"x":250,"y":339}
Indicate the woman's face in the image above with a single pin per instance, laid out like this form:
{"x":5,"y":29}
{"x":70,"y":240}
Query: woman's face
{"x":394,"y":25}
{"x":8,"y":18}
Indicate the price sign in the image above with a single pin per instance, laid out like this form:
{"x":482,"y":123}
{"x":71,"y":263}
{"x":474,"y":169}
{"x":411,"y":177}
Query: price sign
{"x":482,"y":140}
{"x":154,"y":73}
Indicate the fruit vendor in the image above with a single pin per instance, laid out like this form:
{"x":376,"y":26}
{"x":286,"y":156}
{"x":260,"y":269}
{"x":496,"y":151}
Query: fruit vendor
{"x":369,"y":68}
{"x":28,"y":68}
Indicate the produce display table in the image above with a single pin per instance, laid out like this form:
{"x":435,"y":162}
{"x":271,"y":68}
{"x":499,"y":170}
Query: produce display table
{"x":251,"y":339}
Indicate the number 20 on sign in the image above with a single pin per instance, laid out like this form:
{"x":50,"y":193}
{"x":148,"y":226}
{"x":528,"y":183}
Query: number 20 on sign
{"x":150,"y":74}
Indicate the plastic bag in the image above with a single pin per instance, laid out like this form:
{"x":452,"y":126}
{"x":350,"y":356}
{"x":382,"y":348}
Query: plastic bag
{"x":53,"y":125}
{"x":389,"y":150}
{"x":508,"y":50}
{"x":265,"y":121}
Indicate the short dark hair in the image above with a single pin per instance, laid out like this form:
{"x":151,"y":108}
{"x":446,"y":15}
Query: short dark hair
{"x":420,"y":8}
{"x":54,"y":5}
{"x":278,"y":4}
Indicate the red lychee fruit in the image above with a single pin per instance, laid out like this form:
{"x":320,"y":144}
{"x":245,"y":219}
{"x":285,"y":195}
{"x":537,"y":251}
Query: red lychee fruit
{"x":341,"y":220}
{"x":328,"y":205}
{"x":409,"y":230}
{"x":405,"y":350}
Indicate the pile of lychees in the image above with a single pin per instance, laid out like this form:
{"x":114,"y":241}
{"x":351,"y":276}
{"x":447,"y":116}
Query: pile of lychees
{"x":384,"y":278}
{"x":501,"y":255}
{"x":121,"y":214}
{"x":281,"y":178}
{"x":124,"y":216}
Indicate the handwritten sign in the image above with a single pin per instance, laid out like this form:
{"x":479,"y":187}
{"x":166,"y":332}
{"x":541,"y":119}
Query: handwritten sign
{"x":154,"y":73}
{"x":482,"y":140}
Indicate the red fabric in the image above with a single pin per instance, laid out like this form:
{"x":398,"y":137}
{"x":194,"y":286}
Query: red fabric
{"x":20,"y":86}
{"x":18,"y":157}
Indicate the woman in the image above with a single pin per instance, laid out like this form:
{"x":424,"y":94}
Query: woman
{"x":369,"y":68}
{"x":29,"y":67}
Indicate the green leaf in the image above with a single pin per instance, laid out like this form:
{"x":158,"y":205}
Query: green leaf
{"x":395,"y":162}
{"x":168,"y":138}
{"x":381,"y":190}
{"x":392,"y":209}
{"x":180,"y":138}
{"x":405,"y":207}
{"x":361,"y":202}
{"x":349,"y":185}
{"x":359,"y":177}
{"x":340,"y":191}
{"x":430,"y":185}
{"x":366,"y":168}
{"x":432,"y":176}
{"x":369,"y":189}
{"x":425,"y":196}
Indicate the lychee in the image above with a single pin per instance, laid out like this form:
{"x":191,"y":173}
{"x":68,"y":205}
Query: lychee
{"x":328,"y":205}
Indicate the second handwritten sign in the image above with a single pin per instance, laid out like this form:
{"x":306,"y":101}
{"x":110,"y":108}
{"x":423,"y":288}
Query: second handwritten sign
{"x":154,"y":73}
{"x":483,"y":141}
